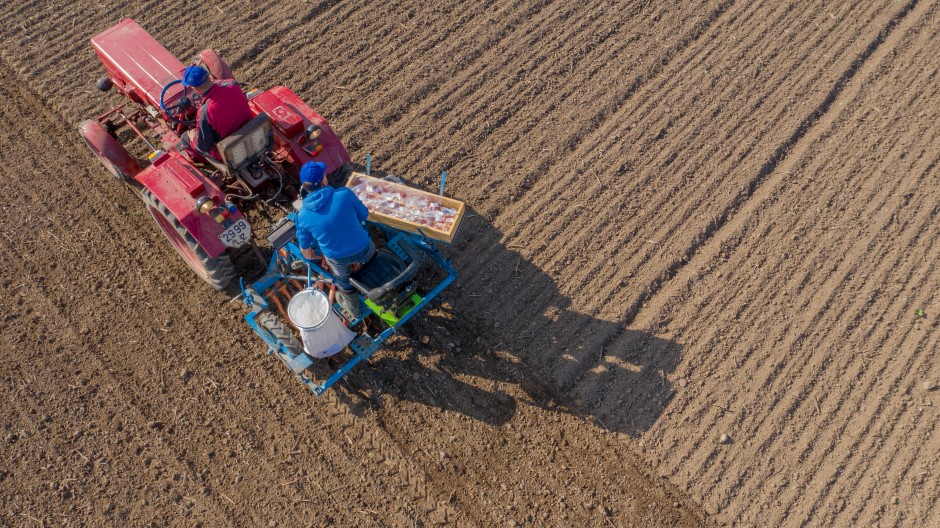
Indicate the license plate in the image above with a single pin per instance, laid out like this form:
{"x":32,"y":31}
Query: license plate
{"x":237,"y":234}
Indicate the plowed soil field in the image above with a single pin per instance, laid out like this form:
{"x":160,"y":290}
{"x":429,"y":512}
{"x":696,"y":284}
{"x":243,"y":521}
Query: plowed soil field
{"x":698,"y":279}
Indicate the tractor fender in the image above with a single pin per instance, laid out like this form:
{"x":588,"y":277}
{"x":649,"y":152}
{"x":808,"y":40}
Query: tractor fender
{"x":290,"y":117}
{"x":109,"y":151}
{"x":177,"y":185}
{"x":217,"y":67}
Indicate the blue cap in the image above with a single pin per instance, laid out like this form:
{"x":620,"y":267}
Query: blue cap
{"x":195,"y":76}
{"x":312,"y":172}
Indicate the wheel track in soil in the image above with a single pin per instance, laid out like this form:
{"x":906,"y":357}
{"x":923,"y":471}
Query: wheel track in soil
{"x":674,"y":263}
{"x":858,"y":464}
{"x":815,"y":115}
{"x":813,"y":126}
{"x":741,"y":207}
{"x":562,"y":219}
{"x":347,"y":425}
{"x":796,"y":400}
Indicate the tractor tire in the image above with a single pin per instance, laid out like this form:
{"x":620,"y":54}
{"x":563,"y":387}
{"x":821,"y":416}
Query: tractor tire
{"x":216,"y":66}
{"x":109,"y":152}
{"x":281,"y":331}
{"x":217,"y":271}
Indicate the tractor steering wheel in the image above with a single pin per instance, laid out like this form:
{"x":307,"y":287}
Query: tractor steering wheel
{"x":185,"y":103}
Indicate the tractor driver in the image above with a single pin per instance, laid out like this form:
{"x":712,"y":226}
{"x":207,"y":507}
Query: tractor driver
{"x":223,"y":112}
{"x":333,"y":218}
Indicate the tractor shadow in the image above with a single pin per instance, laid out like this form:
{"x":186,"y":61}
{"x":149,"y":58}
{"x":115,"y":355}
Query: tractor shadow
{"x":482,"y":352}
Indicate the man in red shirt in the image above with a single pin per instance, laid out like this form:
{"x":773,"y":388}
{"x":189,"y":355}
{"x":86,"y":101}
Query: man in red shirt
{"x":223,"y":112}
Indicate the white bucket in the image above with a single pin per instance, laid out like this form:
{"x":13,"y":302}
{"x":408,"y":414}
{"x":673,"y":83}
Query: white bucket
{"x":322,"y":331}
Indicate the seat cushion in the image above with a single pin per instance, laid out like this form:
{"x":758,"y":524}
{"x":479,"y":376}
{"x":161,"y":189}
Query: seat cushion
{"x":384,"y":267}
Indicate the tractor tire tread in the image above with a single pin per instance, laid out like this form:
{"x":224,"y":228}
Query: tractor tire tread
{"x":281,"y":331}
{"x":220,"y":271}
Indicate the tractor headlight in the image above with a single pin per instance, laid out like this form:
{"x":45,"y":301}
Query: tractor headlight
{"x":313,"y":146}
{"x":205,"y":204}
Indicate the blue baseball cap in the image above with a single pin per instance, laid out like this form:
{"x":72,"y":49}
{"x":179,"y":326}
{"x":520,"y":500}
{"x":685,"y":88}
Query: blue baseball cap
{"x":312,"y":172}
{"x":195,"y":76}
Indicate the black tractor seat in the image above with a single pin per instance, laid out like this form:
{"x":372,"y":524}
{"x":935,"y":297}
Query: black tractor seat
{"x":244,"y":147}
{"x":385,"y":273}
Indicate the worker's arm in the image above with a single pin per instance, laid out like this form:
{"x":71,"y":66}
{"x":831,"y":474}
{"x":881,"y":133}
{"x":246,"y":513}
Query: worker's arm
{"x":305,"y":240}
{"x":362,"y":212}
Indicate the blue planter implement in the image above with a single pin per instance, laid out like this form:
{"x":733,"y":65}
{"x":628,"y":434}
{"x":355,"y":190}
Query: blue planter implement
{"x":389,"y":291}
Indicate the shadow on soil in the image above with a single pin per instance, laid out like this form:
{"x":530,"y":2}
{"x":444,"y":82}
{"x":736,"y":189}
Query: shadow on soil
{"x":454,"y":357}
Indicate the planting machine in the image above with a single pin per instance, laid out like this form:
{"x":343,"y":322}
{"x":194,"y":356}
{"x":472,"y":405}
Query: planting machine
{"x":210,"y":211}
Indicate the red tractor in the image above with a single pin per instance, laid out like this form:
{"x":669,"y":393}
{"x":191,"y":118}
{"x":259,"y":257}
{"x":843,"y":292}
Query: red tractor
{"x":201,"y":208}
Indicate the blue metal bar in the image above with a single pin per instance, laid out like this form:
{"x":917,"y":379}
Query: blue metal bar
{"x":320,"y":389}
{"x":443,"y":181}
{"x":368,"y":164}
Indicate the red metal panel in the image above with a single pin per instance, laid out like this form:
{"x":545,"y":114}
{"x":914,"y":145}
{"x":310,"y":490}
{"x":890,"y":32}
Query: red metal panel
{"x":282,"y":116}
{"x":334,"y":153}
{"x":177,"y":184}
{"x":186,"y":176}
{"x":137,"y":62}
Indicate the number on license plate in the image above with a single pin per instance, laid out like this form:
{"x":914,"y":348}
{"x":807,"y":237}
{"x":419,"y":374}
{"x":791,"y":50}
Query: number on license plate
{"x":237,"y":234}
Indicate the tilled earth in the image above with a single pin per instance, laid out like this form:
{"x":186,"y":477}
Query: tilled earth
{"x":697,"y":281}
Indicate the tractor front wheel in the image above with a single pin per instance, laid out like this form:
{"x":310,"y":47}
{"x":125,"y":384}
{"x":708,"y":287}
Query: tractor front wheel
{"x":217,"y":67}
{"x":281,"y":332}
{"x":217,"y":271}
{"x":109,"y":152}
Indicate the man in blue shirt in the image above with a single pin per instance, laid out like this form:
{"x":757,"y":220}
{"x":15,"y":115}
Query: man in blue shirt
{"x":332,"y":219}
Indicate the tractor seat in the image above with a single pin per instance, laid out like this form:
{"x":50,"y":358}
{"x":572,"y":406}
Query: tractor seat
{"x":245,"y":146}
{"x":384,"y":273}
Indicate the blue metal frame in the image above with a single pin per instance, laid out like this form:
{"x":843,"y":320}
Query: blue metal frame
{"x":363,"y":345}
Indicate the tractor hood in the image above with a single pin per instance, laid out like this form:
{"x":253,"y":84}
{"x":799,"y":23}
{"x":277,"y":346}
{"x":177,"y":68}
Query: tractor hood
{"x":137,"y":63}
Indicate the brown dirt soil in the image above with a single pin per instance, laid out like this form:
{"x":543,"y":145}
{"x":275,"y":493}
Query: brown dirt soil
{"x":689,"y":219}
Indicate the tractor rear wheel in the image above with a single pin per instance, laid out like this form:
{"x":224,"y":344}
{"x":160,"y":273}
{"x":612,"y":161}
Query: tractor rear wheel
{"x":281,"y":332}
{"x":217,"y":67}
{"x":217,"y":271}
{"x":109,"y":152}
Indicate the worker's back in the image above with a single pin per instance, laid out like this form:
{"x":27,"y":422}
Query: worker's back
{"x":227,"y":108}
